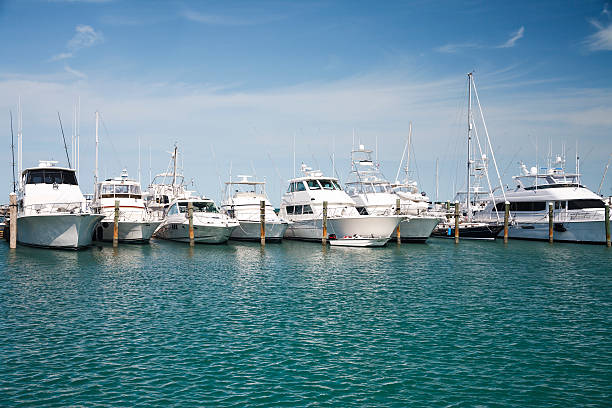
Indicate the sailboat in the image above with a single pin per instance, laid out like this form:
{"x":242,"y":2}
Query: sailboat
{"x":476,"y":197}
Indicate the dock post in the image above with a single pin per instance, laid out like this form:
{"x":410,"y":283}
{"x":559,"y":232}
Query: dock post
{"x":456,"y":222}
{"x":397,"y":212}
{"x":324,"y":238}
{"x":13,"y":220}
{"x":116,"y":225}
{"x":447,"y":205}
{"x":262,"y":222}
{"x":190,"y":216}
{"x":550,"y":222}
{"x":506,"y":220}
{"x":608,"y":225}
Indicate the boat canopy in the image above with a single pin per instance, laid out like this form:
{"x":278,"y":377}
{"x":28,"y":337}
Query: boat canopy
{"x":50,"y":175}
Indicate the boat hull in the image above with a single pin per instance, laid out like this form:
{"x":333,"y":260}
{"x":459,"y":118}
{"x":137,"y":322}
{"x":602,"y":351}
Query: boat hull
{"x":363,"y":226}
{"x":586,"y":232}
{"x":484,"y":232}
{"x":133,"y":232}
{"x":359,"y":242}
{"x":417,"y":229}
{"x":66,"y":231}
{"x":203,"y":234}
{"x":251,"y":231}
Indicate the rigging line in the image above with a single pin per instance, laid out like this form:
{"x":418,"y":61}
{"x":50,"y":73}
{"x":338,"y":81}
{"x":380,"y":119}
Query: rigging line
{"x":13,"y":152}
{"x":117,"y":157}
{"x":64,"y":138}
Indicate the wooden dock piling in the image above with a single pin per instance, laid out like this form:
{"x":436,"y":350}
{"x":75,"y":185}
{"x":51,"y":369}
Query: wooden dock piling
{"x":506,"y":221}
{"x":13,"y":220}
{"x":397,"y":212}
{"x":456,"y":222}
{"x":607,"y":221}
{"x":550,"y":222}
{"x":324,"y":237}
{"x":262,"y":222}
{"x":116,"y":225}
{"x":190,"y":216}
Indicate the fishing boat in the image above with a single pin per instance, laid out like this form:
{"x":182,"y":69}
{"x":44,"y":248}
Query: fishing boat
{"x":135,"y":222}
{"x":242,"y":201}
{"x":578,"y":213}
{"x":52,"y":211}
{"x":209,"y":226}
{"x":302,"y":204}
{"x":374,"y":195}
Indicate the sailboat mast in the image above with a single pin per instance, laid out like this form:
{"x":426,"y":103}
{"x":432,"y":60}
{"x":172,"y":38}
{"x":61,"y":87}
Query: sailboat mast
{"x":469,"y":137}
{"x":19,"y":145}
{"x":174,"y":172}
{"x":97,"y":143}
{"x":437,"y":182}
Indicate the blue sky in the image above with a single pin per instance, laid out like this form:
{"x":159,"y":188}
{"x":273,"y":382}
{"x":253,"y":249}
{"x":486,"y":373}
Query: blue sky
{"x":242,"y":79}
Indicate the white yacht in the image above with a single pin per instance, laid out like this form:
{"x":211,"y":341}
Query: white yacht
{"x":51,"y":209}
{"x":136,"y":222}
{"x":242,"y":201}
{"x":303,"y":205}
{"x":374,"y":195}
{"x":578,"y":214}
{"x":209,"y":226}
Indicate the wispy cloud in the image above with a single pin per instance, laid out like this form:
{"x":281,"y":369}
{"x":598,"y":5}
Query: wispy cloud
{"x":72,"y":71}
{"x":514,"y":37}
{"x":601,"y":39}
{"x":84,"y":37}
{"x":454,"y":48}
{"x":224,"y":20}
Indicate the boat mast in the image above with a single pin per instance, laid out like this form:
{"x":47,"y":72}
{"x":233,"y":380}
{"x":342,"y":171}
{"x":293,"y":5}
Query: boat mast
{"x":19,"y":141}
{"x":437,"y":182}
{"x":469,"y":136}
{"x":97,"y":143}
{"x":174,"y":172}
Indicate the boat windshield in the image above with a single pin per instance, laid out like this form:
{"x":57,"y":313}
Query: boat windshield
{"x":51,"y":177}
{"x":199,"y":206}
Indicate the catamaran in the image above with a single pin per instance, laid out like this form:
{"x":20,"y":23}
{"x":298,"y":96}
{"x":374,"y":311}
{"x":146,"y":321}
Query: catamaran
{"x":242,"y":201}
{"x":303,"y":205}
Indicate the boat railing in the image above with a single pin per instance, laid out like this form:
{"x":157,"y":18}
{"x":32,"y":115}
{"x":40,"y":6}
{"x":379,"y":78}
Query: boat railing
{"x":53,"y":208}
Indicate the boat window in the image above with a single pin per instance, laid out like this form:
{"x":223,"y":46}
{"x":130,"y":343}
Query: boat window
{"x":300,"y":186}
{"x":379,"y":188}
{"x":120,"y":189}
{"x":289,"y":209}
{"x":69,"y":177}
{"x":327,"y":184}
{"x":134,"y":189}
{"x":560,"y":205}
{"x":589,"y":203}
{"x":108,"y":189}
{"x":369,"y":188}
{"x":290,"y":188}
{"x":337,"y":185}
{"x":297,"y":210}
{"x":205,"y":206}
{"x":173,"y":210}
{"x":313,"y":185}
{"x":307,"y":210}
{"x":51,"y":177}
{"x":35,"y":177}
{"x":523,"y":206}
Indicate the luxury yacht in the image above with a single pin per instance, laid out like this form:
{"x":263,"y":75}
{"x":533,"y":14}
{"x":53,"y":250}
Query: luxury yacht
{"x":303,"y":205}
{"x":374,"y":195}
{"x":51,"y":209}
{"x":578,"y":213}
{"x":209,"y":226}
{"x":136,"y":222}
{"x":242,"y":201}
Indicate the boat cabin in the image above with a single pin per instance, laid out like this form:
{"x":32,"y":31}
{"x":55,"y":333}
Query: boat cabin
{"x":47,"y":173}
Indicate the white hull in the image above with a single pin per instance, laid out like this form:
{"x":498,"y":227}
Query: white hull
{"x":70,"y":231}
{"x":359,"y":242}
{"x":363,"y":226}
{"x":128,"y":231}
{"x":417,"y":229}
{"x":576,"y":231}
{"x":251,"y":231}
{"x":205,"y":234}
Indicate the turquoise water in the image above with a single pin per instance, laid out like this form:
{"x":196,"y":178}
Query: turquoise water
{"x":477,"y":324}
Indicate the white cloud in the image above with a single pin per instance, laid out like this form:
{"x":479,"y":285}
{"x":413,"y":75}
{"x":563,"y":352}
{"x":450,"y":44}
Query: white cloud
{"x":223,"y":20}
{"x":517,"y":35}
{"x":84,"y":37}
{"x":454,"y":48}
{"x":75,"y":72}
{"x":601,"y":40}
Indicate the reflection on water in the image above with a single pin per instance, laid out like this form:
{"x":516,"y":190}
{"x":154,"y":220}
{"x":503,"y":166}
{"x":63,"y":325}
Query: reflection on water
{"x":479,"y":323}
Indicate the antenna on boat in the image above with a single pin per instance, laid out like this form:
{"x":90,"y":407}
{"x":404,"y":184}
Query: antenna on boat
{"x":404,"y":153}
{"x":333,"y":154}
{"x":604,"y":174}
{"x":437,"y":181}
{"x":13,"y":152}
{"x":150,"y":178}
{"x":293,"y":154}
{"x":78,"y":138}
{"x":64,"y":138}
{"x":376,"y":147}
{"x":577,"y":164}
